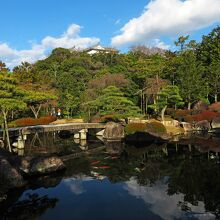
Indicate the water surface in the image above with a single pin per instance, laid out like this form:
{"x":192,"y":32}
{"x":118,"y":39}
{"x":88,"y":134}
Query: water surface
{"x":114,"y":181}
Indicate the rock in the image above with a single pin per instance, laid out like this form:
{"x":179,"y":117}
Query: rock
{"x":41,"y":166}
{"x":215,"y":122}
{"x":10,"y":176}
{"x":3,"y":197}
{"x":31,"y":166}
{"x":186,"y":126}
{"x":113,"y":131}
{"x":203,"y":125}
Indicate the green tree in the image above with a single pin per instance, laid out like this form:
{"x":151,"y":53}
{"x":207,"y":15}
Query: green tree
{"x":213,"y":78}
{"x":35,"y":100}
{"x":190,"y":78}
{"x":168,"y":96}
{"x":181,"y":42}
{"x":11,"y":98}
{"x":209,"y":49}
{"x":113,"y":101}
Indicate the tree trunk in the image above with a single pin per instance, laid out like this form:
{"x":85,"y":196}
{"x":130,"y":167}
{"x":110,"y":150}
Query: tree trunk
{"x":6,"y":130}
{"x":146,"y":105}
{"x":163,"y":112}
{"x":216,"y":98}
{"x":35,"y":112}
{"x":189,"y":105}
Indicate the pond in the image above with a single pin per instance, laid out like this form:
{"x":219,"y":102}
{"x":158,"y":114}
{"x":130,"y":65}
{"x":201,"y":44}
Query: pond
{"x":116,"y":181}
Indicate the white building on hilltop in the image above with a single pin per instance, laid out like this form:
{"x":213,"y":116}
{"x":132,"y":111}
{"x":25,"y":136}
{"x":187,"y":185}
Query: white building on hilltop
{"x":100,"y":49}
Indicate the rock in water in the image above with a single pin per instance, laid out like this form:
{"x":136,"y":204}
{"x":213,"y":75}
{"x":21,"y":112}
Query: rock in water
{"x":9,"y":176}
{"x":215,"y":122}
{"x":203,"y":125}
{"x":41,"y":166}
{"x":114,"y":131}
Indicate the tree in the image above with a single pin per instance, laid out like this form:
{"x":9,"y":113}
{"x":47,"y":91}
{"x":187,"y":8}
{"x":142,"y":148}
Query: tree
{"x":3,"y":67}
{"x":11,"y":98}
{"x":113,"y":101}
{"x":209,"y":49}
{"x":181,"y":42}
{"x":168,"y":96}
{"x":213,"y":78}
{"x":190,"y":78}
{"x":35,"y":100}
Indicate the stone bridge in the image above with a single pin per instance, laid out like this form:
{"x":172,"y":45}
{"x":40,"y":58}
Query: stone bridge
{"x":53,"y":128}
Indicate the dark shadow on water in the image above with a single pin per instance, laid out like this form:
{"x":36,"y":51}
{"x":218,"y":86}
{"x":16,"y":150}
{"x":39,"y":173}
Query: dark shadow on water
{"x":29,"y":208}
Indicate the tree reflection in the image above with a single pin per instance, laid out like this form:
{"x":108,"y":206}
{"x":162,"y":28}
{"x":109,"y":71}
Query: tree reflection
{"x":31,"y":207}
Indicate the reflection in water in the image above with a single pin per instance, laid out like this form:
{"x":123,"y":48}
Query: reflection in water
{"x":29,"y":208}
{"x":75,"y":184}
{"x":180,"y":180}
{"x":167,"y":207}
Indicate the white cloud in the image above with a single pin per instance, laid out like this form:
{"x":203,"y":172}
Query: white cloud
{"x":169,"y":18}
{"x":70,"y":38}
{"x":160,"y":44}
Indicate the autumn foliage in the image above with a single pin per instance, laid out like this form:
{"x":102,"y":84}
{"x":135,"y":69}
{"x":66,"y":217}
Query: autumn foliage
{"x":34,"y":121}
{"x":206,"y":115}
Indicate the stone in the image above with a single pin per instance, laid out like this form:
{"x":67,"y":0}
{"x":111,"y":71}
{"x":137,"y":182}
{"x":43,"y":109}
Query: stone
{"x":46,"y":165}
{"x":76,"y":136}
{"x":203,"y":125}
{"x":9,"y":175}
{"x":38,"y":166}
{"x":215,"y":122}
{"x":83,"y":134}
{"x":114,"y":131}
{"x":100,"y":133}
{"x":186,"y":126}
{"x":175,"y":123}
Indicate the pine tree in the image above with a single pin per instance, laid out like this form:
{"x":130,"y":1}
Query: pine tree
{"x":11,"y":98}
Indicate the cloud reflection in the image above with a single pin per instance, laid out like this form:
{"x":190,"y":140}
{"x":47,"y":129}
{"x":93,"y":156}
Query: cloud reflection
{"x":76,"y":184}
{"x":162,"y":204}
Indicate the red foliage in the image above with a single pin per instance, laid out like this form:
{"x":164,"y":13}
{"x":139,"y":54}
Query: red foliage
{"x":35,"y":121}
{"x":215,"y":107}
{"x":206,"y":115}
{"x":189,"y":118}
{"x":182,"y":112}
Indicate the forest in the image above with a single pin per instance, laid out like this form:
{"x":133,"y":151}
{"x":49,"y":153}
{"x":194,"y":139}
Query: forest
{"x":139,"y":83}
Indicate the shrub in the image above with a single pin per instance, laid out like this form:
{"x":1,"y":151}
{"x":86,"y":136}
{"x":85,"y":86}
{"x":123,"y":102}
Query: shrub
{"x":109,"y":118}
{"x":34,"y":121}
{"x":132,"y":128}
{"x":215,"y":107}
{"x":156,"y":127}
{"x":46,"y":120}
{"x":189,"y":118}
{"x":25,"y":122}
{"x":206,"y":115}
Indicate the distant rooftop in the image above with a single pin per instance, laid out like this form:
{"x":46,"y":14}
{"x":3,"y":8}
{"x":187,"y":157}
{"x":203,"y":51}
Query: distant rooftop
{"x":99,"y":48}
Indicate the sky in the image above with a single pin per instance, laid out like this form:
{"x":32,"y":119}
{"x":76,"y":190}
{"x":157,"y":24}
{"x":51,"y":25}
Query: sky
{"x":31,"y":29}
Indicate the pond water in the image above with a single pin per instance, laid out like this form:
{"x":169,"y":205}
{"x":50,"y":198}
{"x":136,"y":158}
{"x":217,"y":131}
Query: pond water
{"x":116,"y":181}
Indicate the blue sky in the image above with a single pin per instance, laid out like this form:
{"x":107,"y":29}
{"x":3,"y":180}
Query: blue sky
{"x":31,"y":29}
